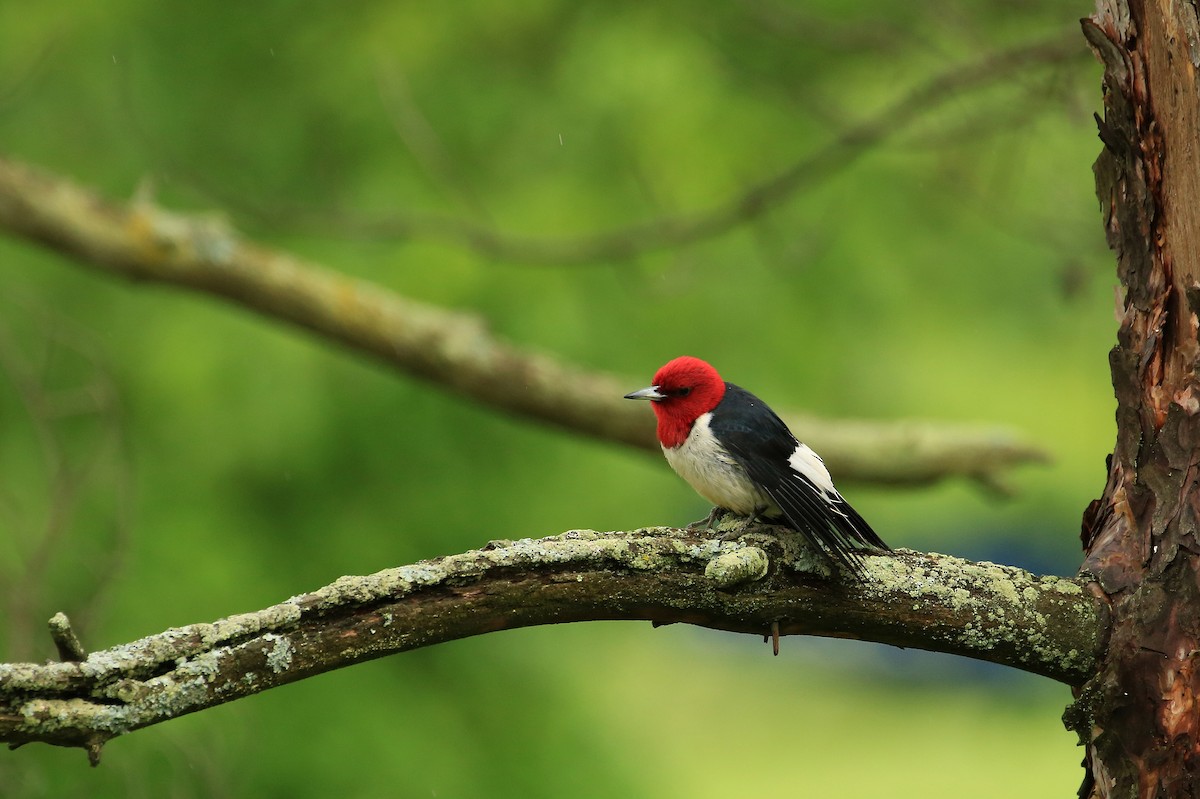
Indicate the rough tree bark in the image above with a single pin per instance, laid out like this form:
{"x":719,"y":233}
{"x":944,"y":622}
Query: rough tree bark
{"x":1138,"y":716}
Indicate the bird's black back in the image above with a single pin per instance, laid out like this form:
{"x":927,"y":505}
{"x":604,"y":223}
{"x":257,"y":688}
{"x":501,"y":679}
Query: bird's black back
{"x":762,"y":444}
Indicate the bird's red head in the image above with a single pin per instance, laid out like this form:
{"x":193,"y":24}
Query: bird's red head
{"x":684,"y":389}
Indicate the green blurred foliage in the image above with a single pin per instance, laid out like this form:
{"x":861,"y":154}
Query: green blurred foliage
{"x":955,"y":271}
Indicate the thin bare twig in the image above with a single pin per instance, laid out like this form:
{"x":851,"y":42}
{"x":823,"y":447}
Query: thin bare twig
{"x":42,"y":538}
{"x":420,"y":138}
{"x":21,"y":80}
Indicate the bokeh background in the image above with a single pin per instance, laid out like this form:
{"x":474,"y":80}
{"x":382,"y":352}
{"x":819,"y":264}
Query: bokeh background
{"x":166,"y":459}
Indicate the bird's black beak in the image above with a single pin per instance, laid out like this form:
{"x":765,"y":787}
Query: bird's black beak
{"x":651,"y":393}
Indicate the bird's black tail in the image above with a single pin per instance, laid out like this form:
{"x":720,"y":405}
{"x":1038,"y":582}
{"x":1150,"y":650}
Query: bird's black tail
{"x":830,"y":522}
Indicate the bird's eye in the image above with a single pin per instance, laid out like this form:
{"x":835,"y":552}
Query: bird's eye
{"x":683,"y":392}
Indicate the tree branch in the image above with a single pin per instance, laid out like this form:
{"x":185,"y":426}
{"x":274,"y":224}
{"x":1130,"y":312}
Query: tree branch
{"x":1046,"y":625}
{"x":451,"y":349}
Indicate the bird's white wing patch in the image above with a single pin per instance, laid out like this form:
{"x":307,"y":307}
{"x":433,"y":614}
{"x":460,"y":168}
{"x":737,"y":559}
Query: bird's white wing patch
{"x":809,"y":464}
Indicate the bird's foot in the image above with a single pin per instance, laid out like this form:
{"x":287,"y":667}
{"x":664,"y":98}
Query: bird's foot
{"x":708,"y":521}
{"x":747,"y":522}
{"x":754,"y":518}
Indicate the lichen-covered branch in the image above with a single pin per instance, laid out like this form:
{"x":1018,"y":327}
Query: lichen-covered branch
{"x":1046,"y":625}
{"x":144,"y":242}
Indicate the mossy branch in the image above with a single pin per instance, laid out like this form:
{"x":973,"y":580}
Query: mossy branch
{"x":766,"y":579}
{"x":455,"y":350}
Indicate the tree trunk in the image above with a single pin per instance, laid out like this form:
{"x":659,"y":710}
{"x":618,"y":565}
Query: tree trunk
{"x":1138,"y":717}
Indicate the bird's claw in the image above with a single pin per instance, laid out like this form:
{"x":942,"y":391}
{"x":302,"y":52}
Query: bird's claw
{"x":708,"y":521}
{"x":747,"y":522}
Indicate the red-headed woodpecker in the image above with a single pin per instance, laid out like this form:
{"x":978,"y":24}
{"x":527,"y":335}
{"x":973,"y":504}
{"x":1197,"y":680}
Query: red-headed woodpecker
{"x":741,"y":457}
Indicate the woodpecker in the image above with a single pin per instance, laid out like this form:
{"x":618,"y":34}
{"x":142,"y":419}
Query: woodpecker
{"x":741,"y":457}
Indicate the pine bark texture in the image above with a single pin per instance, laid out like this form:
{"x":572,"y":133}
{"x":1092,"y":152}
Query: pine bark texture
{"x":1138,"y":716}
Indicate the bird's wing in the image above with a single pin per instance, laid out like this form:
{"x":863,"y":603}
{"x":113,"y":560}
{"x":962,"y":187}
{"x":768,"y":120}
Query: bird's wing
{"x":794,"y":477}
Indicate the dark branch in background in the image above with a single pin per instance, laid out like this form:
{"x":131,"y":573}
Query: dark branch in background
{"x":421,"y":139}
{"x":451,"y":349}
{"x":673,"y":231}
{"x":22,"y":79}
{"x":64,"y":387}
{"x":760,"y":583}
{"x":801,"y":26}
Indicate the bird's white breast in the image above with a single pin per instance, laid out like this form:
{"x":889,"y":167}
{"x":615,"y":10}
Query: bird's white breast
{"x":716,"y":476}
